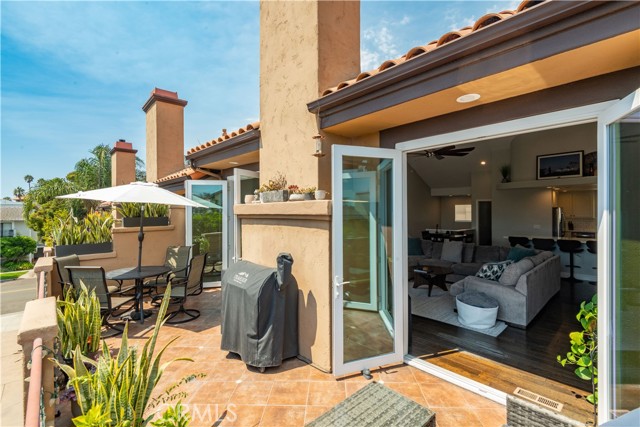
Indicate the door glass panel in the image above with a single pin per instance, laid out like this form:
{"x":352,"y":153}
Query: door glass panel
{"x":367,"y":195}
{"x":624,"y":137}
{"x":249,"y":182}
{"x":207,"y":227}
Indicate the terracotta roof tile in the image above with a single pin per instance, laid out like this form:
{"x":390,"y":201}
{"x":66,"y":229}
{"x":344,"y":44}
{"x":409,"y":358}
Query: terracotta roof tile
{"x":482,"y":22}
{"x":179,"y":174}
{"x":224,"y":137}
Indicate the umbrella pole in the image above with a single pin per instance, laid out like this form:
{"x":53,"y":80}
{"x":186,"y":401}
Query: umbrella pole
{"x":140,"y":238}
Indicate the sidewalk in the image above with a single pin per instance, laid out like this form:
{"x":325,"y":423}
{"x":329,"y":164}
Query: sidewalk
{"x":11,"y":405}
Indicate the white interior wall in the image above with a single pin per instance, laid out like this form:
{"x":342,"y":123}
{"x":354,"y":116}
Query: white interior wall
{"x":423,"y":210}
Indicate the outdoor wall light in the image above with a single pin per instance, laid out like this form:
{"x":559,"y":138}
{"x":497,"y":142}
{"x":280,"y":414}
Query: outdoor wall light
{"x":318,"y":152}
{"x":483,"y":163}
{"x":234,"y":163}
{"x":469,"y":97}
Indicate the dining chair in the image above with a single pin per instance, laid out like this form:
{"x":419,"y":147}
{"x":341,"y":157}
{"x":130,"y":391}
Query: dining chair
{"x":63,"y":274}
{"x":181,"y":288}
{"x":93,"y":278}
{"x":177,"y":259}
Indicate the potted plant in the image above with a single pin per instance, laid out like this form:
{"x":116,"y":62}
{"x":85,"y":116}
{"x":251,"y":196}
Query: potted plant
{"x":87,"y":236}
{"x":296,"y":193}
{"x":320,"y":194}
{"x":584,"y":350}
{"x":79,"y":322}
{"x":275,"y":190}
{"x":505,"y":171}
{"x":154,"y":214}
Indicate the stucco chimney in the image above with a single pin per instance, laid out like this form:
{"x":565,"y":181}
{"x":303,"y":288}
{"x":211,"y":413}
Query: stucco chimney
{"x":305,"y":47}
{"x":165,"y":133}
{"x":123,"y":163}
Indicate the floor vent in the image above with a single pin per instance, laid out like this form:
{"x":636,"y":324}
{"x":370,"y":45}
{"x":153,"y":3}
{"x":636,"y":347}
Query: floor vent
{"x":540,"y":400}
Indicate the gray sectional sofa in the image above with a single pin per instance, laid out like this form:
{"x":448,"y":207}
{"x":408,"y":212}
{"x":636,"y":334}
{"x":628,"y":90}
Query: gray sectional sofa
{"x":522,"y":291}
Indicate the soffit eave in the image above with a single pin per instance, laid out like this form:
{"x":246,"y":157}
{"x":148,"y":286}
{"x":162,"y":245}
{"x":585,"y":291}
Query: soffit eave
{"x":241,"y":144}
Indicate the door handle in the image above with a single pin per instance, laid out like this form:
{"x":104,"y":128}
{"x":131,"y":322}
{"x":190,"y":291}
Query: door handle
{"x":337,"y":283}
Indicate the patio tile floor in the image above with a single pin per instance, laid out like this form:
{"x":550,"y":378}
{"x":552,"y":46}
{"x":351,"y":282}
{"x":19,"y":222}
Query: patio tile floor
{"x":232,"y":394}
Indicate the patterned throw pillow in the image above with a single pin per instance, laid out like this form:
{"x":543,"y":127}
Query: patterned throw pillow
{"x":493,"y":270}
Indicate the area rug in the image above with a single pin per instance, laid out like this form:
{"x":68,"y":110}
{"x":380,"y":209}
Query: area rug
{"x":376,"y":405}
{"x":440,"y":305}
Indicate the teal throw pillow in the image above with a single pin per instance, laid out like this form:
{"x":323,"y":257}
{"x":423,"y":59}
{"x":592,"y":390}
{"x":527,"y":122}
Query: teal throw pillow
{"x":493,"y":270}
{"x":415,"y":246}
{"x":518,"y":252}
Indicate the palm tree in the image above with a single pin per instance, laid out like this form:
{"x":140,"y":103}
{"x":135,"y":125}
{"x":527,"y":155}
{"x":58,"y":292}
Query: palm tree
{"x":95,"y":171}
{"x":18,"y":193}
{"x":29,"y":180}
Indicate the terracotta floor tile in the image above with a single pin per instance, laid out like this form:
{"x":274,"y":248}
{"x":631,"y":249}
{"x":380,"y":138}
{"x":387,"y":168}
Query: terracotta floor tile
{"x":443,"y":395}
{"x":289,"y":393}
{"x":353,"y":386}
{"x":492,"y":417}
{"x":243,"y":415}
{"x":214,"y":392}
{"x":251,"y":393}
{"x":397,"y":374}
{"x":423,"y":377}
{"x":456,"y":417}
{"x":227,"y":372}
{"x":314,"y":412}
{"x":326,"y":393}
{"x":412,"y":391}
{"x":477,"y":401}
{"x":316,"y":374}
{"x":283,"y":416}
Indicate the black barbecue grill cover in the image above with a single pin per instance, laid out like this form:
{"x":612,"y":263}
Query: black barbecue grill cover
{"x":260,"y":312}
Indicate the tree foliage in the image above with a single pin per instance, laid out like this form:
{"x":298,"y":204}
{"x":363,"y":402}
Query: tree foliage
{"x":16,"y":248}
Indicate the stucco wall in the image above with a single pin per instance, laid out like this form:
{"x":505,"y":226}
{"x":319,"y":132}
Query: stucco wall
{"x":123,"y":168}
{"x":165,"y":140}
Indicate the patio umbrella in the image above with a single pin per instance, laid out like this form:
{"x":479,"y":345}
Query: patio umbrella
{"x":136,"y":192}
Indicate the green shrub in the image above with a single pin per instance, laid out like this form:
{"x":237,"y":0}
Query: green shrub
{"x":16,"y":266}
{"x":151,"y":210}
{"x":14,"y":249}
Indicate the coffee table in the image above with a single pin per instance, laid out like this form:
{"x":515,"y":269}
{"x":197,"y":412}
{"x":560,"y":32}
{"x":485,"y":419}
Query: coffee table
{"x":430,"y":275}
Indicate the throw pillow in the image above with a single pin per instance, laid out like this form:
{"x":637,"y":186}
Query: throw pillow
{"x":452,"y":251}
{"x":493,"y":270}
{"x":518,"y":252}
{"x":414,"y":246}
{"x":513,"y":271}
{"x":437,"y":250}
{"x":467,"y":252}
{"x":427,"y":248}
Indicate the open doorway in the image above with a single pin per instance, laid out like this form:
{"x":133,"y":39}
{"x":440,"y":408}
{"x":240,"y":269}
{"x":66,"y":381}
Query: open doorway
{"x":537,"y":301}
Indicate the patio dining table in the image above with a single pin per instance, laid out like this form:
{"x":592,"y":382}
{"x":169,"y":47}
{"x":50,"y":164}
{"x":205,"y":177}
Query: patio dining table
{"x":132,"y":273}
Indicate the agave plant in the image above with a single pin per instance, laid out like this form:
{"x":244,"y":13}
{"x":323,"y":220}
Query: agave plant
{"x":95,"y":228}
{"x":123,"y":384}
{"x":79,"y":322}
{"x":151,"y":210}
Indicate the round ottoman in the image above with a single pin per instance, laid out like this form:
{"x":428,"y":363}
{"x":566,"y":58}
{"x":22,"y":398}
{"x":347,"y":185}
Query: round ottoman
{"x":476,"y":310}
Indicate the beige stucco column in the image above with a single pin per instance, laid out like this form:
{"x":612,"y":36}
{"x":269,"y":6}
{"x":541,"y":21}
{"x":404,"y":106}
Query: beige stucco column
{"x":123,"y":163}
{"x":165,"y":133}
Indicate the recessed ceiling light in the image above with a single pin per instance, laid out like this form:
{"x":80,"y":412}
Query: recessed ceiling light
{"x":234,"y":163}
{"x":483,"y":163}
{"x":469,"y":97}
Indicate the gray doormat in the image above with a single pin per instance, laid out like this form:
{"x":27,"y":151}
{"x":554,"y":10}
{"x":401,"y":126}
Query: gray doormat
{"x":376,"y":405}
{"x":439,"y":306}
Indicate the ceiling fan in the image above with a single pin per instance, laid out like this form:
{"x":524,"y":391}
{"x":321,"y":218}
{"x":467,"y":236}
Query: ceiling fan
{"x":443,"y":152}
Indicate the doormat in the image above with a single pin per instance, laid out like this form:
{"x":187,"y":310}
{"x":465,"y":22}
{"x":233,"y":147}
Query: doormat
{"x":440,"y":305}
{"x":376,"y":405}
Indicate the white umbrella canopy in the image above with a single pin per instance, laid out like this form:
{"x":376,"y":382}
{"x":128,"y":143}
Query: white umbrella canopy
{"x":136,"y":192}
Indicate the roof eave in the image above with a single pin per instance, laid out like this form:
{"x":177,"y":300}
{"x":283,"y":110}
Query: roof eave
{"x":246,"y":142}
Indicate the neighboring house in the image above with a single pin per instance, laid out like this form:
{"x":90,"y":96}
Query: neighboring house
{"x":11,"y":220}
{"x":550,"y":77}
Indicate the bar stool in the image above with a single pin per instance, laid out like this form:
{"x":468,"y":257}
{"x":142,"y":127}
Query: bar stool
{"x":572,"y":247}
{"x":522,"y":241}
{"x":544,"y":244}
{"x":592,"y":247}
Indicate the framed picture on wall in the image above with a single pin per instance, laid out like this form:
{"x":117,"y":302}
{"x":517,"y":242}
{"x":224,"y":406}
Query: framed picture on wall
{"x":560,"y":165}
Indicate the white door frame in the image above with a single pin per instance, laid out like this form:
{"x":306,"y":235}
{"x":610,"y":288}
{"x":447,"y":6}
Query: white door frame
{"x":238,"y":173}
{"x":570,"y":117}
{"x":399,"y":260}
{"x":189,"y":184}
{"x":606,"y":242}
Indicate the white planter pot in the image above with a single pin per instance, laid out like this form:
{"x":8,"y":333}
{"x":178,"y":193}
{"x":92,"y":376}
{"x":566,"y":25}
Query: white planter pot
{"x":320,"y":194}
{"x":249,"y":198}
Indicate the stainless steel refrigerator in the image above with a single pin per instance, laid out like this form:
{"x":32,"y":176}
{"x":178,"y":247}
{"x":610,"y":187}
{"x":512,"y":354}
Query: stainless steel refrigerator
{"x":557,"y":218}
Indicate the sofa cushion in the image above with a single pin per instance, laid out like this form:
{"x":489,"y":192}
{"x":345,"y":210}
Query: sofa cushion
{"x":452,"y":251}
{"x":493,"y":270}
{"x":466,"y":268}
{"x":436,"y":263}
{"x":467,"y":252}
{"x":541,"y":257}
{"x":513,"y":271}
{"x":518,"y":252}
{"x":414,"y":246}
{"x":427,"y":248}
{"x":503,"y":253}
{"x":437,"y":250}
{"x":487,"y":254}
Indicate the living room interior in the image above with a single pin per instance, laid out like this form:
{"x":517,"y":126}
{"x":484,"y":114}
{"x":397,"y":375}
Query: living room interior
{"x":464,"y":196}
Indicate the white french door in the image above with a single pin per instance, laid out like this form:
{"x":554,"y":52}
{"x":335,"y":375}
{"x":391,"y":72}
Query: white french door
{"x":206,"y":228}
{"x":245,"y":182}
{"x":619,"y":267}
{"x":367,"y":258}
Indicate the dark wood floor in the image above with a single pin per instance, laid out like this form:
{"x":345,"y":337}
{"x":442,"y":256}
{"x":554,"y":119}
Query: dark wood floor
{"x":516,"y":358}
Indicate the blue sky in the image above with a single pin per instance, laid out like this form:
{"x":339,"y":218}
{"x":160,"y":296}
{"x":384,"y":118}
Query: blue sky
{"x":76,"y":74}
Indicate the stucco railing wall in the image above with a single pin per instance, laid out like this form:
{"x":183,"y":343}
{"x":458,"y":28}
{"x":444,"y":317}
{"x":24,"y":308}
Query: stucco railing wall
{"x":36,"y":335}
{"x":304,"y":230}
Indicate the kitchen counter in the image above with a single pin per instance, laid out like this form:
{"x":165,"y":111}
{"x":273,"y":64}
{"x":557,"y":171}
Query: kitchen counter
{"x":585,"y":261}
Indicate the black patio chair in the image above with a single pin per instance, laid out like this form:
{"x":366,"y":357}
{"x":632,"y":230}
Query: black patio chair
{"x":93,"y":278}
{"x":181,"y":288}
{"x":176,"y":258}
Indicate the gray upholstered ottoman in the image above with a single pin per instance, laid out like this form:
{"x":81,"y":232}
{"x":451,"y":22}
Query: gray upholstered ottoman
{"x":476,"y":310}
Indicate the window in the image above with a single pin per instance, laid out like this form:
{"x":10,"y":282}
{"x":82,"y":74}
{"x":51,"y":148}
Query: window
{"x":463,"y":213}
